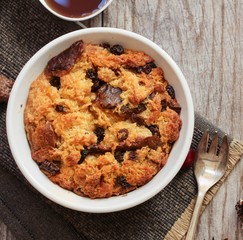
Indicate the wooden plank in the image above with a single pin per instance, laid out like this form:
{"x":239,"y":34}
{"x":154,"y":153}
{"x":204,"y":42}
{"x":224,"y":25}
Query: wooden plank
{"x":205,"y":38}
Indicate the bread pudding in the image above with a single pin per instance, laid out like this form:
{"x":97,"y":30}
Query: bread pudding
{"x":101,"y":119}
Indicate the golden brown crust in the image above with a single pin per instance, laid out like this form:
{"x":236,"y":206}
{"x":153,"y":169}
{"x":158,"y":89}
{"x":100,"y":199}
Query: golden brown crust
{"x":104,"y":140}
{"x":63,"y":62}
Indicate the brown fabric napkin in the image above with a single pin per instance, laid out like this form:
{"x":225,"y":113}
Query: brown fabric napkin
{"x":31,"y":216}
{"x":25,"y":27}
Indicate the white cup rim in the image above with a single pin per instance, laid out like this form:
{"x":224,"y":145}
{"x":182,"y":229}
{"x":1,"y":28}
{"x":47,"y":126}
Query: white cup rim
{"x":43,"y":2}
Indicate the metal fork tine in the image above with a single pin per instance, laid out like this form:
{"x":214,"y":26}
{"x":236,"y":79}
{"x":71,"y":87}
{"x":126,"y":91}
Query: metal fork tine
{"x":214,"y":145}
{"x":203,"y":144}
{"x":224,"y":149}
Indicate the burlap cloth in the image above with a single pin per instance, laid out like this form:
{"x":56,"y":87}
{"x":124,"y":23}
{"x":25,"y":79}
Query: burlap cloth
{"x":26,"y":27}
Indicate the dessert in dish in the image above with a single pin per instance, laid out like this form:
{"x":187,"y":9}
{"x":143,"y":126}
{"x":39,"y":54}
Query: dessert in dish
{"x":101,"y":120}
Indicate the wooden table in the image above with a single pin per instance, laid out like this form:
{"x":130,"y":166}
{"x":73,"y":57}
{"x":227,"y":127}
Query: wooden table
{"x":205,"y":38}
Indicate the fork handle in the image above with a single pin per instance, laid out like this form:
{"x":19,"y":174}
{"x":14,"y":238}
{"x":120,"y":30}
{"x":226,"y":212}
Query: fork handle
{"x":195,"y":217}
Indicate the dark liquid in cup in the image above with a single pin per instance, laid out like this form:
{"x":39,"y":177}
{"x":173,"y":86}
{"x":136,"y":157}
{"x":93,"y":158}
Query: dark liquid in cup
{"x":75,"y":8}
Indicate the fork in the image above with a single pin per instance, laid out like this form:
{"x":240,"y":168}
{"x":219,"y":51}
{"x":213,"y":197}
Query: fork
{"x":210,"y":166}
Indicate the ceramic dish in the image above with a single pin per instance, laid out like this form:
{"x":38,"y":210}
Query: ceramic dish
{"x":20,"y":147}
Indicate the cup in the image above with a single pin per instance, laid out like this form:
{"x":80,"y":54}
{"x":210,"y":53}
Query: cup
{"x":68,"y":5}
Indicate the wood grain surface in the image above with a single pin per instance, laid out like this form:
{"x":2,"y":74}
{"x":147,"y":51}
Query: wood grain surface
{"x":205,"y":38}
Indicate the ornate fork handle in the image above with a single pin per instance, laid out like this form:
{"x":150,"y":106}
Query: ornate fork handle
{"x":195,"y":217}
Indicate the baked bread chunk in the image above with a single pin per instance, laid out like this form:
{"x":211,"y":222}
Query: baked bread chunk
{"x":101,"y":120}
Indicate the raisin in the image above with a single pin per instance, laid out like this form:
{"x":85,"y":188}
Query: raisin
{"x":105,"y":45}
{"x":164,"y":105}
{"x":50,"y":167}
{"x":140,"y":108}
{"x":177,"y":109}
{"x":132,"y":113}
{"x":152,"y":64}
{"x":100,"y":133}
{"x":117,"y":72}
{"x":117,"y":49}
{"x":108,"y":96}
{"x":174,"y":105}
{"x":137,"y":119}
{"x":121,"y":180}
{"x":170,"y":91}
{"x":84,"y":154}
{"x":97,"y":83}
{"x":59,"y":108}
{"x":154,"y":129}
{"x":97,"y":149}
{"x":132,"y":155}
{"x":126,"y":110}
{"x":138,"y":69}
{"x":152,"y":95}
{"x":147,"y":68}
{"x":122,"y":134}
{"x":119,"y":156}
{"x":55,"y":82}
{"x":92,"y":74}
{"x":57,"y":162}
